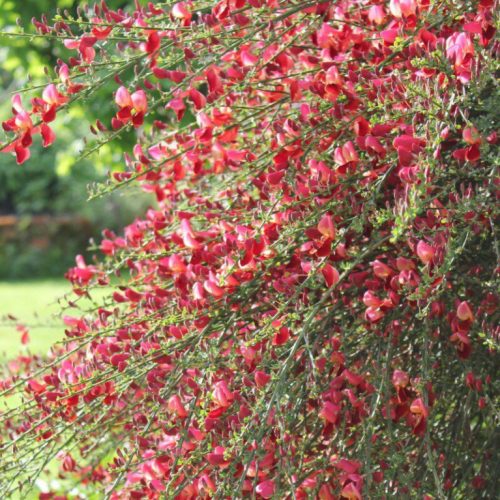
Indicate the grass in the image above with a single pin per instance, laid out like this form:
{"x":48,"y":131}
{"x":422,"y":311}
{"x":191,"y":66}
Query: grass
{"x":34,"y":304}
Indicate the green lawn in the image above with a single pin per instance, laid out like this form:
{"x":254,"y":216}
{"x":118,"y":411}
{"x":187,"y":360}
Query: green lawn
{"x":34,"y":304}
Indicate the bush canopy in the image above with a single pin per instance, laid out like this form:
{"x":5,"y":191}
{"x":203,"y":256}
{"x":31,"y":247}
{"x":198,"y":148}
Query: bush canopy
{"x":310,"y":308}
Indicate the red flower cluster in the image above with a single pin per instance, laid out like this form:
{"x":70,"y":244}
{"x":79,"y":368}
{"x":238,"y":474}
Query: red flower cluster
{"x":43,"y":111}
{"x":293,"y":314}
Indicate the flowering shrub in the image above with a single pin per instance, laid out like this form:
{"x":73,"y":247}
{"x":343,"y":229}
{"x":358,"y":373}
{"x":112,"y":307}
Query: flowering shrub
{"x":309,"y":310}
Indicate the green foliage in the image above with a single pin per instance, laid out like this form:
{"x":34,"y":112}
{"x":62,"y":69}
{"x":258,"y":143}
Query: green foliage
{"x":56,"y":183}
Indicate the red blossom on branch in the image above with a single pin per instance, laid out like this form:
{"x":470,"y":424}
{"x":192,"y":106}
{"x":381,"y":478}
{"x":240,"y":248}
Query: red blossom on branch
{"x":308,"y":306}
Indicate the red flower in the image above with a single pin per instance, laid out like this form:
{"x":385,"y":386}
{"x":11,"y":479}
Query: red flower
{"x":381,"y":270}
{"x":216,"y":457}
{"x":222,"y":395}
{"x":181,"y":11}
{"x":402,"y":8}
{"x":261,"y":378}
{"x":133,"y":107}
{"x":84,"y":45}
{"x":265,"y":489}
{"x":425,"y":252}
{"x":420,"y":414}
{"x":326,"y":227}
{"x":330,"y":274}
{"x":330,"y":412}
{"x":464,"y":312}
{"x":351,"y":492}
{"x":376,"y":14}
{"x":226,"y":354}
{"x":22,"y":125}
{"x":471,"y":135}
{"x":175,"y":406}
{"x":346,"y":154}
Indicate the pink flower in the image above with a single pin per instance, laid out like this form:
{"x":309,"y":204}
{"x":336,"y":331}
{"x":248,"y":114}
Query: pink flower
{"x":402,"y":8}
{"x":139,"y":101}
{"x":400,"y":379}
{"x":326,"y":227}
{"x":122,"y":97}
{"x":222,"y":395}
{"x":464,"y":312}
{"x":345,"y":154}
{"x":381,"y":270}
{"x":330,"y":412}
{"x":265,"y":489}
{"x":133,"y":107}
{"x":52,"y":96}
{"x":175,"y":406}
{"x":180,"y":11}
{"x":22,"y":125}
{"x":350,"y":492}
{"x":213,"y":289}
{"x":84,"y":45}
{"x":425,"y":252}
{"x":376,"y":14}
{"x":459,"y":47}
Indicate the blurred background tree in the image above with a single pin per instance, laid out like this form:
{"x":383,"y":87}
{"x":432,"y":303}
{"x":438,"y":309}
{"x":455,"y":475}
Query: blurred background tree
{"x":45,"y":218}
